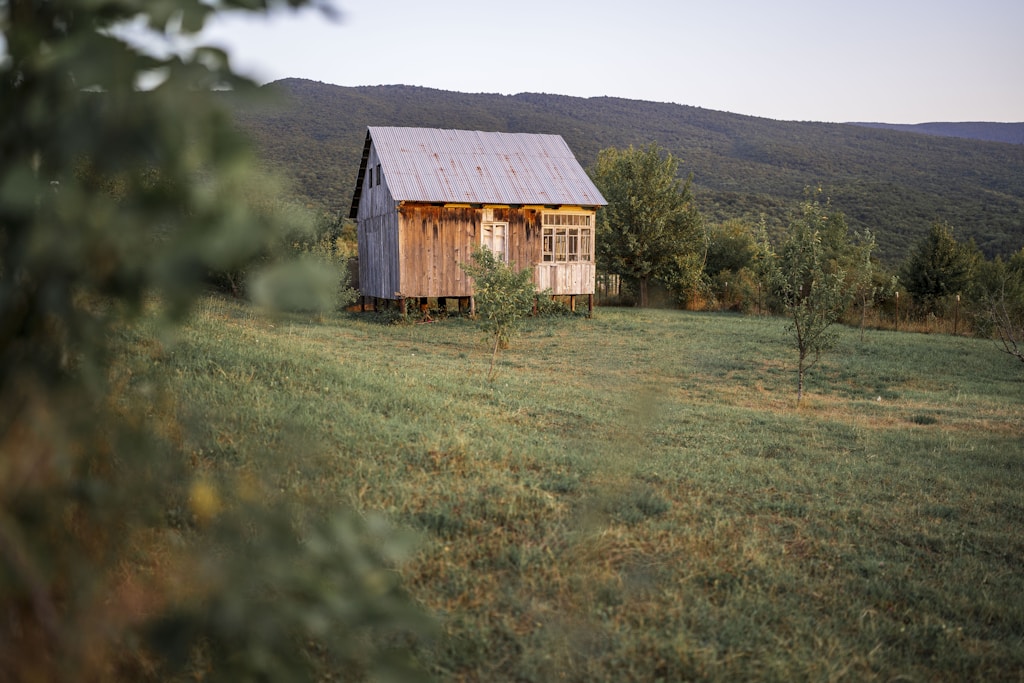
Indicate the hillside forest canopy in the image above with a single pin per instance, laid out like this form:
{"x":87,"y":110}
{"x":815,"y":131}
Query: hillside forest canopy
{"x":895,"y":183}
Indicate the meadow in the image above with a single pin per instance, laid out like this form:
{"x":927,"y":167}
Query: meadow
{"x":637,"y":496}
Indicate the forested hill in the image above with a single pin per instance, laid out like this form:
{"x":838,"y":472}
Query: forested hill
{"x":895,"y":183}
{"x":973,"y":130}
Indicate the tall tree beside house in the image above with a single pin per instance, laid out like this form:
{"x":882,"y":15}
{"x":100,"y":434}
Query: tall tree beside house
{"x":650,"y":231}
{"x":121,"y":557}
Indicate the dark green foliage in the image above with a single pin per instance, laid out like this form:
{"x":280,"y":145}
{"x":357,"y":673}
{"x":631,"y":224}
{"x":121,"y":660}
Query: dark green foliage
{"x":938,"y":267}
{"x":650,"y":231}
{"x":308,"y":271}
{"x":895,"y":184}
{"x":729,"y":267}
{"x":310,"y":283}
{"x":731,"y":247}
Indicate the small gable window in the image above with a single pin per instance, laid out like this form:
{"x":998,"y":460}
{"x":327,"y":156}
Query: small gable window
{"x":494,"y":236}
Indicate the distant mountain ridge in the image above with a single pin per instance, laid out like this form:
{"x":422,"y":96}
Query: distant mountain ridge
{"x":895,"y":183}
{"x":1012,"y":133}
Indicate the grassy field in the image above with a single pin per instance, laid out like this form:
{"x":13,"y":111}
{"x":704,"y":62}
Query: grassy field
{"x":637,"y":497}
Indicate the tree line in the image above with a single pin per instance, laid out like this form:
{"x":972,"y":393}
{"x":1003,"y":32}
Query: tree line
{"x":815,"y":269}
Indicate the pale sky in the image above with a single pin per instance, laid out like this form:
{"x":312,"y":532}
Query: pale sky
{"x":896,"y":61}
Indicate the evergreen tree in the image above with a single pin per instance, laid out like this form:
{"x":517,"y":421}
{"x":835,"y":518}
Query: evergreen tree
{"x":938,"y":267}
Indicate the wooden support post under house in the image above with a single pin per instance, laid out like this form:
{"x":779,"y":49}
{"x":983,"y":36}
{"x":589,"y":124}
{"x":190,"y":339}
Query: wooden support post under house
{"x":590,"y":305}
{"x":402,"y":307}
{"x":572,"y":303}
{"x":472,"y":307}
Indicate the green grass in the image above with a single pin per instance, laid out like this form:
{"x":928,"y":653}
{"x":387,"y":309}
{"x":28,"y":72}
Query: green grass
{"x":637,"y":497}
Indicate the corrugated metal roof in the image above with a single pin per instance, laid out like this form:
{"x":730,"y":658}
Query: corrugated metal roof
{"x":436,"y":165}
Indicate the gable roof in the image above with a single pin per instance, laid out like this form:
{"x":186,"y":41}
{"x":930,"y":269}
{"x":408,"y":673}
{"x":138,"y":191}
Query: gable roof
{"x":474,"y":167}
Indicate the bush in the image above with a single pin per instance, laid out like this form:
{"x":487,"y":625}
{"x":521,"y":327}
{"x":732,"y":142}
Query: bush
{"x":121,"y":556}
{"x":504,"y":296}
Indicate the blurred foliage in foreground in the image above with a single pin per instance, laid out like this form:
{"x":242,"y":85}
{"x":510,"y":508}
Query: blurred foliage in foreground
{"x":120,"y":558}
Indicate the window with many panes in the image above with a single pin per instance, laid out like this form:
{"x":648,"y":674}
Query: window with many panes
{"x":567,"y":237}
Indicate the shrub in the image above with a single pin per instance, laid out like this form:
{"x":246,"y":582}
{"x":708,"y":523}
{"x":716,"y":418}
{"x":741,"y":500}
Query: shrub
{"x":504,"y":296}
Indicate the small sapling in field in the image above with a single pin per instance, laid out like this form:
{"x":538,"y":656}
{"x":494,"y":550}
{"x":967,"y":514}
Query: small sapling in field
{"x":504,"y":296}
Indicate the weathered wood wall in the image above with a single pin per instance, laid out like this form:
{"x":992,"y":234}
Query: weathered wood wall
{"x":378,"y":252}
{"x":377,"y":235}
{"x":415,"y":250}
{"x":435,"y":240}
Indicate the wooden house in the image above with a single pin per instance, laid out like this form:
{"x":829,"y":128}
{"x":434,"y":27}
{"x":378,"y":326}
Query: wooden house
{"x":425,"y":198}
